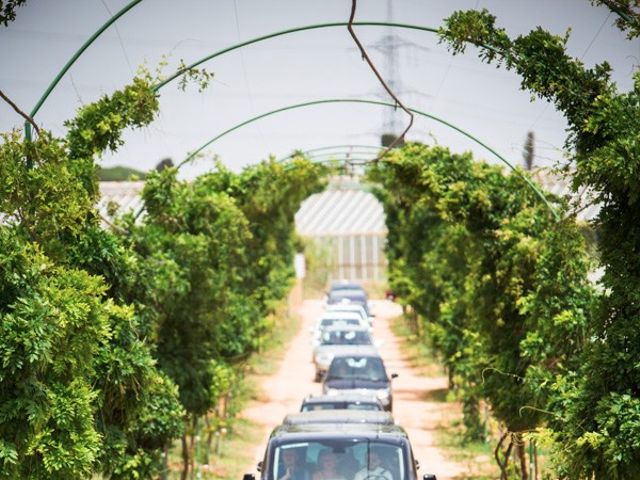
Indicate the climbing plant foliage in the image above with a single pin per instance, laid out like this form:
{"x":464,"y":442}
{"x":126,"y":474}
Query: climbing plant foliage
{"x":115,"y":336}
{"x":499,"y":285}
{"x":601,"y":415}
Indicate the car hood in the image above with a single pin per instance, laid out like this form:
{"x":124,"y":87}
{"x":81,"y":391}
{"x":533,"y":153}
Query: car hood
{"x":356,"y":384}
{"x":341,"y":349}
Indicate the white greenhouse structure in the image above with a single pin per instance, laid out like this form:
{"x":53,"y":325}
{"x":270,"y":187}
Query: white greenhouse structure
{"x":347,"y":224}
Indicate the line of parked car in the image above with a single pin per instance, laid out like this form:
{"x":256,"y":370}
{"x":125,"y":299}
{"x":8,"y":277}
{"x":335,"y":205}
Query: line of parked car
{"x":348,"y":432}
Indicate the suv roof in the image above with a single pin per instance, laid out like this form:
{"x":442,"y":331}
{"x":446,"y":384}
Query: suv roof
{"x":309,"y":431}
{"x":349,"y":398}
{"x":359,"y":351}
{"x":343,"y":307}
{"x":339,"y":416}
{"x":340,"y":314}
{"x":345,"y":328}
{"x":345,"y":285}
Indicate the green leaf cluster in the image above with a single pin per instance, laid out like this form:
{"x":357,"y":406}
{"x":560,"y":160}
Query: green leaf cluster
{"x":114,"y":342}
{"x":80,"y":389}
{"x":214,"y":256}
{"x":600,"y":404}
{"x":500,"y":287}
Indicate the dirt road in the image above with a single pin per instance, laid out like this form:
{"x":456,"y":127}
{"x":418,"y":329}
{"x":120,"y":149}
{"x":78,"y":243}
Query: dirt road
{"x":283,"y":392}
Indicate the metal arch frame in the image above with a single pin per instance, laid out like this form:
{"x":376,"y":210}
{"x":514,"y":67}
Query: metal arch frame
{"x":332,"y":147}
{"x":73,"y":59}
{"x":333,"y":150}
{"x":262,"y":38}
{"x":133,"y":3}
{"x":384,"y":104}
{"x":189,"y":67}
{"x":193,"y":65}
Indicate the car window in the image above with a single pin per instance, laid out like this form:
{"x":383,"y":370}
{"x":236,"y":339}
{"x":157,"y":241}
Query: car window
{"x":310,"y":407}
{"x":357,"y":309}
{"x":356,"y":296}
{"x":345,"y":337}
{"x":364,"y":368}
{"x":365,"y":406}
{"x":358,"y":459}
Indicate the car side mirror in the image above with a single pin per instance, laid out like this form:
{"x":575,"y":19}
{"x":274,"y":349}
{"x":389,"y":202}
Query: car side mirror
{"x":395,"y":375}
{"x":429,"y":476}
{"x":248,"y":476}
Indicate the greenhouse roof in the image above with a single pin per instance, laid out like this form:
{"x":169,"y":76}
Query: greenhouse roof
{"x":337,"y":211}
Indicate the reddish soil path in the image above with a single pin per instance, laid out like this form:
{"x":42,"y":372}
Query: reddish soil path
{"x":413,"y":406}
{"x":283,"y":392}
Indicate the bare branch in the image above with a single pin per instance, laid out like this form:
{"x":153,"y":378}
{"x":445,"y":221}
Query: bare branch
{"x":20,"y":112}
{"x":384,"y":84}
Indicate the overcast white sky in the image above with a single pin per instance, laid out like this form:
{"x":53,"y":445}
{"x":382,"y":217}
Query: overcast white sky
{"x":300,"y":67}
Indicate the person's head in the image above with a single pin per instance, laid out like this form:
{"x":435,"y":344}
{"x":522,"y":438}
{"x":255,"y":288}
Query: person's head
{"x":342,"y":368}
{"x":327,"y":460}
{"x":374,"y":459}
{"x":290,"y":457}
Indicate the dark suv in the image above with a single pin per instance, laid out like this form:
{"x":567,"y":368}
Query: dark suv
{"x":352,"y":373}
{"x":339,"y":416}
{"x":358,"y":451}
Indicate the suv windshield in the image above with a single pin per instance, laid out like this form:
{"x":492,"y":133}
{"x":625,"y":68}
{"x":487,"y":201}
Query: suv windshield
{"x":345,"y":337}
{"x":327,"y":322}
{"x":340,"y":459}
{"x":362,"y":368}
{"x":355,"y":296}
{"x":309,"y":407}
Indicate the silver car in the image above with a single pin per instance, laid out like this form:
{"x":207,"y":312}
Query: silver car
{"x":350,"y":307}
{"x":339,"y":340}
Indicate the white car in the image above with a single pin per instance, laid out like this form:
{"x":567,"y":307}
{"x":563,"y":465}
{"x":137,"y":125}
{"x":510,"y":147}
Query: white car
{"x":350,"y":307}
{"x":332,"y":319}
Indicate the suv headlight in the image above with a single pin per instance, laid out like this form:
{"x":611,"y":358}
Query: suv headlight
{"x":324,"y":358}
{"x":383,"y":394}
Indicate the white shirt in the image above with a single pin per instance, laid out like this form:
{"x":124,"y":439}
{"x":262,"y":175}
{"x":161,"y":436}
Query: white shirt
{"x":378,"y":473}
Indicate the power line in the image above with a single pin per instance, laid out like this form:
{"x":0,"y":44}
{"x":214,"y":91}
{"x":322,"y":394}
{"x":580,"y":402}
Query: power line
{"x":244,"y":69}
{"x":124,"y":51}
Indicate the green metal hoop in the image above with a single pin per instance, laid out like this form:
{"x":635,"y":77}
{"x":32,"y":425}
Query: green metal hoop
{"x":384,"y":104}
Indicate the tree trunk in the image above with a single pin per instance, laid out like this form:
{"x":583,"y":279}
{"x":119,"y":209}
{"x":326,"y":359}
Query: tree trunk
{"x":192,"y":445}
{"x":185,"y":458}
{"x":209,"y":437}
{"x":504,"y":475}
{"x":164,"y":474}
{"x":496,"y":454}
{"x":522,"y":456}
